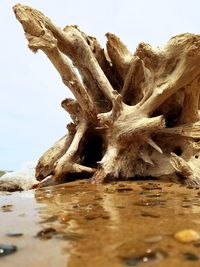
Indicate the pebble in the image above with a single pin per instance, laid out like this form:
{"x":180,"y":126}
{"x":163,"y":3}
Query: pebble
{"x":151,"y":187}
{"x":7,"y":208}
{"x":46,"y":233}
{"x":105,"y":217}
{"x":65,"y":218}
{"x":14,"y":234}
{"x":147,"y":257}
{"x":123,"y":189}
{"x":50,"y":232}
{"x":148,"y":214}
{"x":191,"y":256}
{"x":153,"y":239}
{"x":153,"y":195}
{"x":197,"y":245}
{"x":150,"y":203}
{"x":49,"y":219}
{"x":7,"y":249}
{"x":92,"y":216}
{"x":187,"y":236}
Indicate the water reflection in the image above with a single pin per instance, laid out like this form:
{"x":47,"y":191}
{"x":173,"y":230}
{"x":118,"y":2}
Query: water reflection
{"x":105,"y":224}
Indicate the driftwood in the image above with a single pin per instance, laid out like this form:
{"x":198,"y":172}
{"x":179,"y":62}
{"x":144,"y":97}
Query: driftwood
{"x":134,"y":114}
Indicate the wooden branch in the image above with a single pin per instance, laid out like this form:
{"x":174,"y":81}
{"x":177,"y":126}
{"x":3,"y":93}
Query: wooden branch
{"x":188,"y":171}
{"x":104,"y":62}
{"x":191,"y":102}
{"x":73,"y":108}
{"x":48,"y":45}
{"x":152,"y":58}
{"x":45,"y":166}
{"x":141,"y":127}
{"x":75,"y":46}
{"x":66,"y":163}
{"x":154,"y":145}
{"x":71,"y":42}
{"x":173,"y":73}
{"x":180,"y":165}
{"x":135,"y":82}
{"x":101,"y":102}
{"x":119,"y":55}
{"x":144,"y":155}
{"x":191,"y":130}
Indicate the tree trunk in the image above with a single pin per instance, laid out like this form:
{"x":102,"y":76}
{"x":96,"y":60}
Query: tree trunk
{"x":134,"y":114}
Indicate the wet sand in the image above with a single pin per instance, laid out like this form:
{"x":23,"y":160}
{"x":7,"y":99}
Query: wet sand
{"x":118,"y":224}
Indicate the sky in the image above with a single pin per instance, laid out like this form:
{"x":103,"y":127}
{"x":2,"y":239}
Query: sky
{"x":31,"y":118}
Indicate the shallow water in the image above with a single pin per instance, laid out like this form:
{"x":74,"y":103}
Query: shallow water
{"x":119,"y":224}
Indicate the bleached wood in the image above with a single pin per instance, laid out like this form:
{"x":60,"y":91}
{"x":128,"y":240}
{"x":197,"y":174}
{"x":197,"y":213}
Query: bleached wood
{"x":133,"y":113}
{"x":46,"y":163}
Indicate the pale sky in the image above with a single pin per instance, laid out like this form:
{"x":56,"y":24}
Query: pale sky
{"x":31,"y":118}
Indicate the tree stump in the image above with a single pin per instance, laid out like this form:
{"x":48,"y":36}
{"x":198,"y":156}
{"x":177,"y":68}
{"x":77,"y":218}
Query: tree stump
{"x":134,"y":114}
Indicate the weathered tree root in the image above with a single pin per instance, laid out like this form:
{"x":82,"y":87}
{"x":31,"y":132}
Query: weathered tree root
{"x":134,"y":114}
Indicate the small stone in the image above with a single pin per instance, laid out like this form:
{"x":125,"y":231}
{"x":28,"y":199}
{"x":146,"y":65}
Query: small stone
{"x":49,"y":219}
{"x":153,"y":239}
{"x":98,"y":198}
{"x":46,"y":233}
{"x":123,"y":189}
{"x":150,"y":203}
{"x":92,"y":216}
{"x":14,"y":234}
{"x":131,"y":261}
{"x":121,"y":185}
{"x":197,"y":245}
{"x":65,"y":218}
{"x":186,"y":206}
{"x":76,"y":206}
{"x":7,"y":208}
{"x":105,"y":217}
{"x":147,"y":257}
{"x":191,"y":256}
{"x":148,"y":214}
{"x":153,"y":195}
{"x":187,"y":236}
{"x":151,"y":187}
{"x":7,"y":249}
